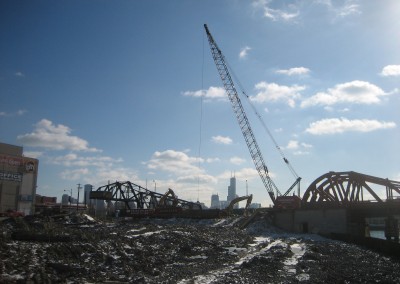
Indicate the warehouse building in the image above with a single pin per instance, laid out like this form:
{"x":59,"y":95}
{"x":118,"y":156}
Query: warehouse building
{"x":18,"y":179}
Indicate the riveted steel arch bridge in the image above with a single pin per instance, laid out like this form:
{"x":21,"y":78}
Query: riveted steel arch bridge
{"x":349,"y":188}
{"x":134,"y":196}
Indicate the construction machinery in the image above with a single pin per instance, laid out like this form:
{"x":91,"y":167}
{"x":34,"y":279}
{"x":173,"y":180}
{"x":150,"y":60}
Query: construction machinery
{"x":166,"y":201}
{"x":245,"y":127}
{"x":228,"y":210}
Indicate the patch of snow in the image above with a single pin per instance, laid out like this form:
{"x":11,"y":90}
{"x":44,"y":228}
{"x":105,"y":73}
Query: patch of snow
{"x":236,"y":251}
{"x":198,"y":257}
{"x":11,"y":278}
{"x":89,"y":218}
{"x":303,"y":277}
{"x":220,"y":223}
{"x":137,"y":230}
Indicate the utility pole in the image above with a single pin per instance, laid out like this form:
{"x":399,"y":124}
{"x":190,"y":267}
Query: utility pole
{"x":247,"y":189}
{"x":77,"y":202}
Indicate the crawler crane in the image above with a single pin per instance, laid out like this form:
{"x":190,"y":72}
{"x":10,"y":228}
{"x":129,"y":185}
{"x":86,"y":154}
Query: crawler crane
{"x":244,"y":124}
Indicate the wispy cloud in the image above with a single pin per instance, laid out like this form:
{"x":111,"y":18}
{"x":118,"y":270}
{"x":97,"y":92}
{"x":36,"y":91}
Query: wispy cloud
{"x":54,"y":137}
{"x":272,"y":92}
{"x":73,"y":160}
{"x":19,"y":74}
{"x":94,"y":170}
{"x":242,"y":174}
{"x":17,"y":113}
{"x":237,"y":160}
{"x":341,"y":125}
{"x":294,"y":12}
{"x":298,"y":148}
{"x":391,"y":70}
{"x":222,"y":140}
{"x":350,"y":7}
{"x":286,"y":13}
{"x":294,"y":71}
{"x":355,"y":92}
{"x":212,"y":93}
{"x":179,"y":163}
{"x":244,"y":52}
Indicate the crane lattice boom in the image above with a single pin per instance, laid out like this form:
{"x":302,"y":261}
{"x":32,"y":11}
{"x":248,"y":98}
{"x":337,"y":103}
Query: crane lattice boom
{"x":241,"y":117}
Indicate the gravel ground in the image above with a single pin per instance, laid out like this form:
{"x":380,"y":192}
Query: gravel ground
{"x":81,"y":250}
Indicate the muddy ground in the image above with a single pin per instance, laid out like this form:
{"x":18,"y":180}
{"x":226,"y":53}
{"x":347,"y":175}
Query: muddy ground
{"x":76,"y":249}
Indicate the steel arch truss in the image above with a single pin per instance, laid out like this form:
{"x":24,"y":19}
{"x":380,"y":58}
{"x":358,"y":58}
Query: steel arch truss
{"x":346,"y":188}
{"x":136,"y":197}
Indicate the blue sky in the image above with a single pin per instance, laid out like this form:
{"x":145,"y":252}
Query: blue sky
{"x":101,"y":91}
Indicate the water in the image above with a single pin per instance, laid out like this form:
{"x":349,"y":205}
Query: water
{"x":377,"y":234}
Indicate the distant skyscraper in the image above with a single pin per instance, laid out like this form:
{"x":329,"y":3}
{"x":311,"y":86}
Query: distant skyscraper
{"x":65,"y":199}
{"x":232,"y":189}
{"x":215,"y":204}
{"x":86,"y":197}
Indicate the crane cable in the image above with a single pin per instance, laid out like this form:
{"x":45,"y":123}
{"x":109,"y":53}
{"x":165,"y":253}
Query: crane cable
{"x":201,"y":123}
{"x":262,"y":121}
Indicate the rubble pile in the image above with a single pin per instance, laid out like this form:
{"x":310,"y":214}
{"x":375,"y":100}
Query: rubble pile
{"x":79,"y":249}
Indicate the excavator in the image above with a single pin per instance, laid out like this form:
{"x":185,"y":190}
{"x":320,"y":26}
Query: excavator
{"x":163,"y":200}
{"x":278,"y":199}
{"x":228,"y":210}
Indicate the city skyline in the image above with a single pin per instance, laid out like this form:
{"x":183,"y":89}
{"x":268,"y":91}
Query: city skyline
{"x":105,"y":91}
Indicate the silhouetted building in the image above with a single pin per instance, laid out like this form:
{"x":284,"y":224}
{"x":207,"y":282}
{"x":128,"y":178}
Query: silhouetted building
{"x":86,"y":197}
{"x":232,"y":189}
{"x":215,"y":204}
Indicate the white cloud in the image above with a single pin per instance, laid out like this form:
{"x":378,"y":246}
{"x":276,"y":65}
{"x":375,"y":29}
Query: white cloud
{"x":237,"y":160}
{"x":33,"y":154}
{"x":285,"y":14}
{"x":183,"y":167}
{"x":272,"y":92}
{"x":281,"y":11}
{"x":211,"y":93}
{"x":292,"y":144}
{"x":100,"y":176}
{"x":356,"y":92}
{"x":73,"y":160}
{"x":175,"y":162}
{"x":298,"y":148}
{"x":54,"y":137}
{"x":391,"y":70}
{"x":244,"y":52}
{"x":294,"y":71}
{"x":213,"y":160}
{"x":19,"y":74}
{"x":340,"y":125}
{"x":243,"y":174}
{"x":193,"y":179}
{"x":17,"y":113}
{"x":305,"y":145}
{"x":222,"y":140}
{"x":76,"y":174}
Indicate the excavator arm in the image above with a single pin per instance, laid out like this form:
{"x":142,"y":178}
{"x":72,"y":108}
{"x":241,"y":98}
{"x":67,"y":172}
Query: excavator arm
{"x":249,"y":198}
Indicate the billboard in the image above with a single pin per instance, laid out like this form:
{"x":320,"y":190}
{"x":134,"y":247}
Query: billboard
{"x":17,"y":177}
{"x":20,"y":164}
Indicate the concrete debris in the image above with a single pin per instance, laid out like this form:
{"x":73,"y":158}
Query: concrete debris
{"x":80,"y":249}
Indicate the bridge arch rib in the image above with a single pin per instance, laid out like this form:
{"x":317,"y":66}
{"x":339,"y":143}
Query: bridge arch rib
{"x":346,"y":188}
